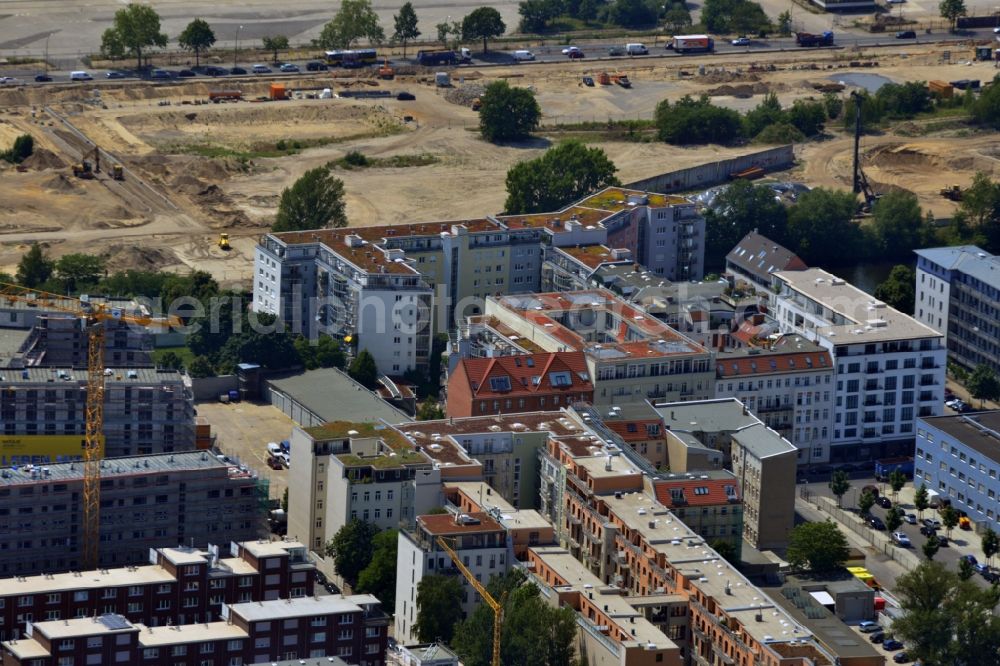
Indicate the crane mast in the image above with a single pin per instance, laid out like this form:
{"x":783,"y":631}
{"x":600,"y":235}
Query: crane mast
{"x":497,"y":606}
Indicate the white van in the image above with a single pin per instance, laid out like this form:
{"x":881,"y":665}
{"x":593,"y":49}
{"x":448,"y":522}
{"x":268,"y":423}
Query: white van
{"x":523,"y":56}
{"x":261,"y":69}
{"x":636,"y":49}
{"x":80,"y":76}
{"x":274,"y":449}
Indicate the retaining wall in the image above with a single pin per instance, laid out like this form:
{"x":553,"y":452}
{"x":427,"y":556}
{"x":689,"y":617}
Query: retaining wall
{"x":713,"y":173}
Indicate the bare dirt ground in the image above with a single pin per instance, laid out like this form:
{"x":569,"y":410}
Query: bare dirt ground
{"x":175,"y":199}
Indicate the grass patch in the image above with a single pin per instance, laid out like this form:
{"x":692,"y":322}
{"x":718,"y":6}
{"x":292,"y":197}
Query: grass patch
{"x":639,"y":131}
{"x":186,"y":354}
{"x":280,"y":148}
{"x":358,"y":160}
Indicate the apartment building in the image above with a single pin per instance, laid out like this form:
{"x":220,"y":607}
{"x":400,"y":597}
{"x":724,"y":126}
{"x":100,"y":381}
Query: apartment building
{"x":146,"y":411}
{"x":790,"y":384}
{"x":175,"y":586}
{"x":342,"y":471}
{"x":146,"y":502}
{"x":957,"y":457}
{"x":477,"y":538}
{"x":631,"y":356}
{"x":574,"y":268}
{"x":958,"y":295}
{"x":525,"y":527}
{"x":709,"y":503}
{"x":509,"y":384}
{"x":756,"y":257}
{"x":890,"y":367}
{"x":351,"y":627}
{"x":762,"y":461}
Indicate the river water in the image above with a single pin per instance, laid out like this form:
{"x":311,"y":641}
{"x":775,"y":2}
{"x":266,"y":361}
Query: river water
{"x":868,"y":275}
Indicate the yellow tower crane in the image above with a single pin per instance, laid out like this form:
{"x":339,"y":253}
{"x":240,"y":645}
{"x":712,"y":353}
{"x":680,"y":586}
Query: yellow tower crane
{"x":94,"y":316}
{"x":497,"y":606}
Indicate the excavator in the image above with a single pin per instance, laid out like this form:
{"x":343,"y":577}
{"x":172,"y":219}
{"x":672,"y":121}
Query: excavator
{"x":385,"y":71}
{"x":89,"y":170}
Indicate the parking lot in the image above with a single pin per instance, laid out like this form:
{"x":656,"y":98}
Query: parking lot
{"x":242,"y":432}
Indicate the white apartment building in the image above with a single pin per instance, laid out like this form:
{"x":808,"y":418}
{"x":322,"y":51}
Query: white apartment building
{"x":890,"y":368}
{"x":479,"y":540}
{"x":790,"y":385}
{"x":342,"y":470}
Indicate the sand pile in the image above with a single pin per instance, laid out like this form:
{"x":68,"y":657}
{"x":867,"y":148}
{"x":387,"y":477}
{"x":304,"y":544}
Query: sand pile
{"x":44,"y":159}
{"x":130,"y":257}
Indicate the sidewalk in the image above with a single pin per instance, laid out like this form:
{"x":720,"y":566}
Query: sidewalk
{"x":961,"y":392}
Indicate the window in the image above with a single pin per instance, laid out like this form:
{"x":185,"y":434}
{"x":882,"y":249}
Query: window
{"x":500,"y":384}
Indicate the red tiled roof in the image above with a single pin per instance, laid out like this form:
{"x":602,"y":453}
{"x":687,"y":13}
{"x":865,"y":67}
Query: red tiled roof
{"x":769,"y":363}
{"x":634,"y":431}
{"x":714,"y":492}
{"x":443,"y":524}
{"x":520,"y":371}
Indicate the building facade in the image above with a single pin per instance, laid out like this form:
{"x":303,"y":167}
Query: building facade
{"x":146,"y":502}
{"x":890,"y":367}
{"x":756,"y":257}
{"x":958,"y":295}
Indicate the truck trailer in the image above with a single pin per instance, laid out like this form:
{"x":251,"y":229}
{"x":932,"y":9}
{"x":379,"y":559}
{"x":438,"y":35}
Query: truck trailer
{"x":885,"y":467}
{"x":692,"y":44}
{"x":811,"y":39}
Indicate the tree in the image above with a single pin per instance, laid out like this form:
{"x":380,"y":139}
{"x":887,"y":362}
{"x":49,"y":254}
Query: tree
{"x":893,"y":518}
{"x":379,"y":576}
{"x":734,"y":16}
{"x":807,"y":116}
{"x":562,"y":175}
{"x":24,"y":146}
{"x":274,"y":44}
{"x":170,"y":360}
{"x":965,"y":569}
{"x":833,"y":104}
{"x":695,"y":121}
{"x":899,"y":289}
{"x":767,"y":112}
{"x":78,"y":271}
{"x":482,"y":23}
{"x":931,"y":546}
{"x":986,"y":109}
{"x":925,"y":624}
{"x":198,"y":36}
{"x":405,"y":25}
{"x":324,"y":352}
{"x":135,"y":28}
{"x":632,"y":13}
{"x":536,"y":14}
{"x":822,"y":228}
{"x":817,"y":546}
{"x":726,"y":550}
{"x":677,"y":17}
{"x":314,"y":201}
{"x":896,"y":481}
{"x":949,"y":518}
{"x":351,"y":548}
{"x":364,"y":370}
{"x":739,"y":209}
{"x":983,"y":384}
{"x":268,"y":343}
{"x":507,"y":113}
{"x":201,"y":367}
{"x":355,"y":20}
{"x":866,"y":502}
{"x":839,"y":485}
{"x":920,"y":500}
{"x":429,"y":410}
{"x":284,"y":500}
{"x":587,"y":10}
{"x":990,"y":543}
{"x":34,"y":268}
{"x":785,"y":24}
{"x":439,"y":608}
{"x":952,"y":10}
{"x":899,"y":225}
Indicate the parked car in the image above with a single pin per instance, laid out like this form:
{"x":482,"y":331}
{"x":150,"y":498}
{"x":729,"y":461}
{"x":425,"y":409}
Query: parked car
{"x":215,"y":71}
{"x":991,"y":576}
{"x":876,"y":523}
{"x":952,"y":402}
{"x":316,"y":66}
{"x":884,"y":502}
{"x":261,"y":69}
{"x":928,"y":531}
{"x":237,"y":70}
{"x":616,"y":51}
{"x":932,"y":523}
{"x":405,"y":97}
{"x":289,"y":68}
{"x":942,"y":540}
{"x":905,"y":34}
{"x":877,"y":637}
{"x":115,"y":75}
{"x":588,"y":81}
{"x":901,"y":540}
{"x":910,"y":519}
{"x":996,"y":31}
{"x":902,"y":658}
{"x":971,"y":559}
{"x":891,"y":645}
{"x":43,"y":78}
{"x":159,"y":74}
{"x":741,"y":41}
{"x":867,"y":626}
{"x":186,"y":74}
{"x":981,"y":568}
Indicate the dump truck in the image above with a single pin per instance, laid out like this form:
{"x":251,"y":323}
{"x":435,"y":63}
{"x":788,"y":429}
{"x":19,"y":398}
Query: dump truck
{"x":812,"y":39}
{"x":428,"y":58}
{"x":117,"y":172}
{"x":224,"y":242}
{"x":87,"y":169}
{"x":691,"y":44}
{"x":953,"y":193}
{"x":386,"y":71}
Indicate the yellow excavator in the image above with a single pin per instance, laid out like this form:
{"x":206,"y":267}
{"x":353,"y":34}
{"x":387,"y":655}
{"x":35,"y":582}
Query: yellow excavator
{"x":224,"y":242}
{"x":87,"y":169}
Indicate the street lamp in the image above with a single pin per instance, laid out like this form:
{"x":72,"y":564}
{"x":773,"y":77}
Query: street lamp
{"x":236,"y":48}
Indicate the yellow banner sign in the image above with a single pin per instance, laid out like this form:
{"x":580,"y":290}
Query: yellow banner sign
{"x":41,"y":449}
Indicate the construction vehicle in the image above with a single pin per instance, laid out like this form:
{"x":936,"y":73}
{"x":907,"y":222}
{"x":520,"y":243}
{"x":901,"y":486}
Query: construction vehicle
{"x":224,"y":242}
{"x":117,"y":172}
{"x":953,"y":193}
{"x":87,"y":169}
{"x":621,"y":79}
{"x":497,"y":606}
{"x":811,"y":39}
{"x":385,"y":71}
{"x":94,"y":316}
{"x":477,"y":103}
{"x":861,"y":184}
{"x":604,"y":79}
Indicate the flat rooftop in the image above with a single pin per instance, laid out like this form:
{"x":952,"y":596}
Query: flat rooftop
{"x":331,"y":394}
{"x":980,"y":431}
{"x":554,"y":422}
{"x":120,"y":467}
{"x":764,"y":442}
{"x":87,"y":580}
{"x":616,"y":199}
{"x":724,"y":414}
{"x":84,"y":626}
{"x":691,"y":556}
{"x":595,"y":256}
{"x":578,"y":578}
{"x":188,"y":633}
{"x":446,"y":524}
{"x":869,"y":320}
{"x":280,"y":609}
{"x":11,"y":340}
{"x":366,"y":256}
{"x":67,"y":375}
{"x":481,"y":493}
{"x":263,"y":548}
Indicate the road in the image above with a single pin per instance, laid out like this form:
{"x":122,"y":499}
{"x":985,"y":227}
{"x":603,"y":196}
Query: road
{"x":594,"y":51}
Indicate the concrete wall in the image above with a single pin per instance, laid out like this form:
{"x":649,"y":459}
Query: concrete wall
{"x":210,"y":388}
{"x":714,"y":173}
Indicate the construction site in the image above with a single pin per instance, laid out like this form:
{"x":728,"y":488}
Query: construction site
{"x":153,"y":175}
